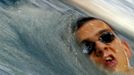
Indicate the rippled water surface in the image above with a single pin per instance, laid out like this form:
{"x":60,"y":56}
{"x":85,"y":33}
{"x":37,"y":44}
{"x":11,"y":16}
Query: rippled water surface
{"x":36,"y":35}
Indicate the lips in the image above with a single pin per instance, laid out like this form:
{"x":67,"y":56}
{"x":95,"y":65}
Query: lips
{"x":110,"y":62}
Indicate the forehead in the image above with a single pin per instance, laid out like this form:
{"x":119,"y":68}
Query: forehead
{"x":91,"y":29}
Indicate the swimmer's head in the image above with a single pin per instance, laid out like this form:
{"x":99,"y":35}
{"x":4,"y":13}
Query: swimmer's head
{"x":99,"y":42}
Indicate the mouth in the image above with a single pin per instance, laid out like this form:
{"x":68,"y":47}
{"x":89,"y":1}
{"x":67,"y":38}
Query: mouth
{"x":110,"y":62}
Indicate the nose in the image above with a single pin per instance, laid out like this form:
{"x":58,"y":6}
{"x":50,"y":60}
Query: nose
{"x":101,"y":49}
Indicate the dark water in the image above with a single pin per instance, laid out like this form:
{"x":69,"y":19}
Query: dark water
{"x":36,"y":39}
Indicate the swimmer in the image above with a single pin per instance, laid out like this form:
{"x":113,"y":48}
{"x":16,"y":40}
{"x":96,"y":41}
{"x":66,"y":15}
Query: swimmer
{"x":102,"y":46}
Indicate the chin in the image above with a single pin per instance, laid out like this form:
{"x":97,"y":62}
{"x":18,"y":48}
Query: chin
{"x":108,"y":71}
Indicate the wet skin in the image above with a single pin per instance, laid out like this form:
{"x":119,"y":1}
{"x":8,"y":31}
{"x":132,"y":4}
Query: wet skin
{"x":111,"y":56}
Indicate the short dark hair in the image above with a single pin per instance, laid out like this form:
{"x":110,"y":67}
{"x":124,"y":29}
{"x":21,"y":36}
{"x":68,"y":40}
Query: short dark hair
{"x":81,"y":21}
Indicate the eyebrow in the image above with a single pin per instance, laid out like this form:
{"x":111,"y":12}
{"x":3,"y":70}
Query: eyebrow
{"x":101,"y":31}
{"x":86,"y":40}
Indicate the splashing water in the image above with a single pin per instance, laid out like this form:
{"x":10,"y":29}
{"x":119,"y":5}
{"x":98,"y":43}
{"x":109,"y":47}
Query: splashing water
{"x":36,"y":36}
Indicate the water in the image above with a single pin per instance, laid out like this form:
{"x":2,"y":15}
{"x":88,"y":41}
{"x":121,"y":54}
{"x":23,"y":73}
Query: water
{"x":36,"y":36}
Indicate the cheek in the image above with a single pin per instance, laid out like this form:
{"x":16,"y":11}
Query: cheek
{"x":116,"y":46}
{"x":95,"y":59}
{"x":119,"y":50}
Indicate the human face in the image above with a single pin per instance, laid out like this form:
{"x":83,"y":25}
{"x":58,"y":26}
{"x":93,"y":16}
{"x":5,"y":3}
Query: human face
{"x":111,"y":55}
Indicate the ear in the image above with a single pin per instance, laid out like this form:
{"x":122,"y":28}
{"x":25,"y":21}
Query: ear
{"x":127,"y":48}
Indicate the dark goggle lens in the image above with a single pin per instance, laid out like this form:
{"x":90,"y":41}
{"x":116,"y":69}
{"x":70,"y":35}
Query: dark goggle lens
{"x":107,"y":37}
{"x":88,"y":47}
